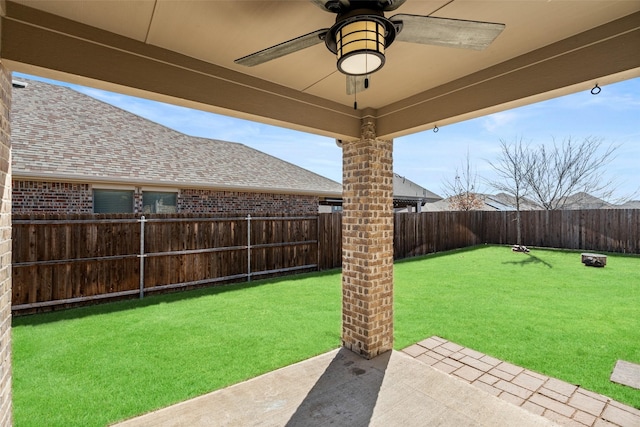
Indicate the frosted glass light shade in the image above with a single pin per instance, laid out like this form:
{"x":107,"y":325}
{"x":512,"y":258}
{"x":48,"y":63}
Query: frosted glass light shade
{"x":360,"y":47}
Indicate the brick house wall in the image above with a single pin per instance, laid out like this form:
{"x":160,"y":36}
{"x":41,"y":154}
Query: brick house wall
{"x":202,"y":201}
{"x":60,"y":197}
{"x":5,"y":248}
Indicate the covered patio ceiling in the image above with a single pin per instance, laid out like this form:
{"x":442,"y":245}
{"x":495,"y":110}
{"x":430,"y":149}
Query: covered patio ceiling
{"x":183,"y":52}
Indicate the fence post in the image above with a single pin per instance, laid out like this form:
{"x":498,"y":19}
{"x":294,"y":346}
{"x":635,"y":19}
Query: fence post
{"x":248,"y":247}
{"x":142,"y":221}
{"x":318,"y":243}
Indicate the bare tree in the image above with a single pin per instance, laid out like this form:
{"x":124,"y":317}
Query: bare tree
{"x":569,"y":169}
{"x":462,"y":191}
{"x":513,"y":167}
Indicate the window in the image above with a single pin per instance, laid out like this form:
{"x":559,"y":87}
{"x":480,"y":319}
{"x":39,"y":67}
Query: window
{"x":159,"y":202}
{"x":112,"y":201}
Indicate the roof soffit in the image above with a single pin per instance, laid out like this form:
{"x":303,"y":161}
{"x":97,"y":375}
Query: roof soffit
{"x":548,"y":49}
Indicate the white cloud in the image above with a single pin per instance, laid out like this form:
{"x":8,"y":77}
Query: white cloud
{"x":497,"y":121}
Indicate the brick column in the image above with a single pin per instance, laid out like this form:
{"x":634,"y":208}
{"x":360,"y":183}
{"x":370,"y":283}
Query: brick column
{"x":5,"y":249}
{"x":367,"y":244}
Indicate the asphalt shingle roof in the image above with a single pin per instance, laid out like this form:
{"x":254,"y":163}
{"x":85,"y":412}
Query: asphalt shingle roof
{"x":59,"y":133}
{"x":405,"y":188}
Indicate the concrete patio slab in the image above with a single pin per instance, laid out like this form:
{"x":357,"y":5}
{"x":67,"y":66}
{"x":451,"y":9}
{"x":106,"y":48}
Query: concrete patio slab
{"x":341,"y":388}
{"x":566,"y":404}
{"x":626,"y":373}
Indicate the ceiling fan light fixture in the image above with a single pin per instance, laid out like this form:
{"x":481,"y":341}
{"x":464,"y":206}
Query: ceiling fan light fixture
{"x":360,"y":45}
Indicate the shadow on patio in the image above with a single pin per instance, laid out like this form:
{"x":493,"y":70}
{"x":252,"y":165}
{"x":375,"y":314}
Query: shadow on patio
{"x":341,"y":388}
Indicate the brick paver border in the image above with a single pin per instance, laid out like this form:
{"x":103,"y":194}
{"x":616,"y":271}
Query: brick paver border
{"x":564,"y":403}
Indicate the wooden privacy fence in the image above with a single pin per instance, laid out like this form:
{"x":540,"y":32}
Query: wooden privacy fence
{"x":72,"y":259}
{"x":607,"y":230}
{"x":428,"y":232}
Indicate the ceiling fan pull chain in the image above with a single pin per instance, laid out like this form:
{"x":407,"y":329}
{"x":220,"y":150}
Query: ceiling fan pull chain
{"x":366,"y":82}
{"x":355,"y":99}
{"x":596,"y":89}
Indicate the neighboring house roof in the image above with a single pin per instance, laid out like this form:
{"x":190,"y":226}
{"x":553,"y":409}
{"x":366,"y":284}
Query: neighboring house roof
{"x":506,"y":202}
{"x":58,"y":133}
{"x":631,"y":204}
{"x":495,"y":203}
{"x":437,"y":206}
{"x":584,"y":200}
{"x":510,"y":202}
{"x":407,"y":191}
{"x":489,"y":203}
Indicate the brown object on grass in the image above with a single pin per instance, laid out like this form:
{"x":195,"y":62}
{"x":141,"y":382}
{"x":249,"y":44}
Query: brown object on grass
{"x":594,"y":260}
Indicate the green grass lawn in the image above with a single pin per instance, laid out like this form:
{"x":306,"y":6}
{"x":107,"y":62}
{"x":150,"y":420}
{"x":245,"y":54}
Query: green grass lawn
{"x":545,"y":311}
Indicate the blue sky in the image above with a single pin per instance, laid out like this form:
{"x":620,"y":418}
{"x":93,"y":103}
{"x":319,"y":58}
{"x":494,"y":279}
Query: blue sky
{"x":430,"y":158}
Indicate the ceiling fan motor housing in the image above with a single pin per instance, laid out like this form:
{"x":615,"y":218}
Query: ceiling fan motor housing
{"x":340,"y":6}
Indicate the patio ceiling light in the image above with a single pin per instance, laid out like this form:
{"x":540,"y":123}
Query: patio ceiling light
{"x":360,"y":42}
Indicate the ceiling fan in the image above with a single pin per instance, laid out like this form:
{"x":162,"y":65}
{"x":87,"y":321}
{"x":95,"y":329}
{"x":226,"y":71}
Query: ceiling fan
{"x":361,"y":34}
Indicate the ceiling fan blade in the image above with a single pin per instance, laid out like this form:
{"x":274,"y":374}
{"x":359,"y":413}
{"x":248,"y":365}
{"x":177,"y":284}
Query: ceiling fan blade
{"x":357,"y":84}
{"x":446,"y":32}
{"x":283,"y":49}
